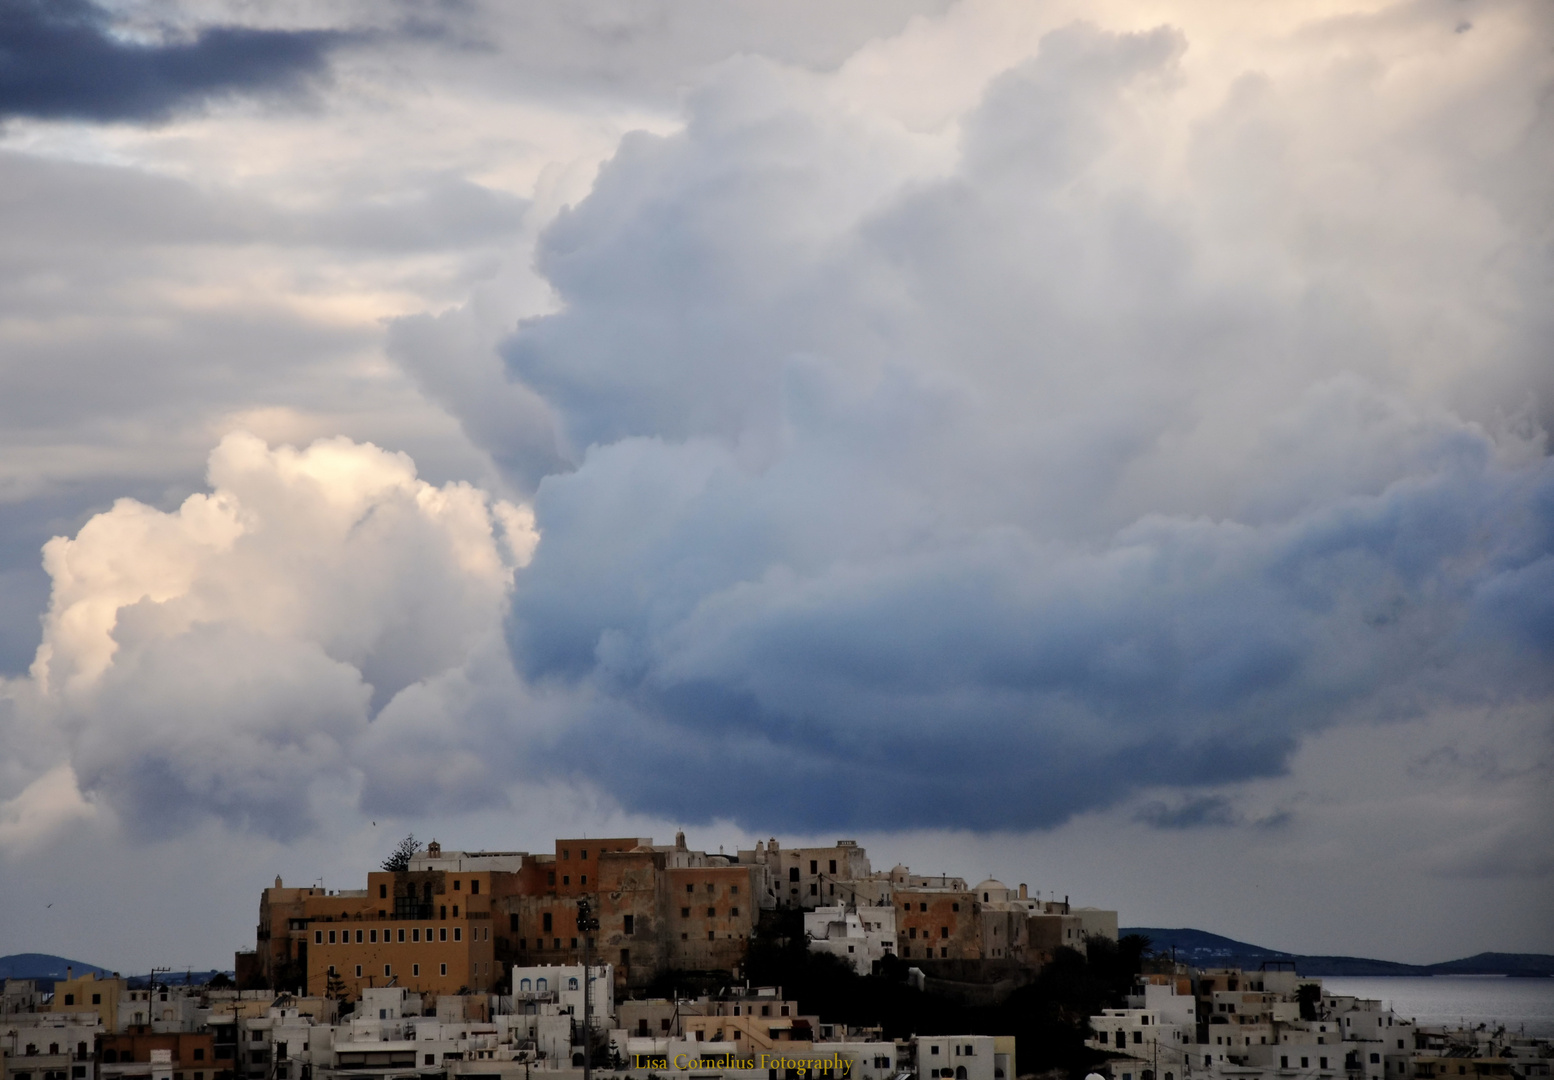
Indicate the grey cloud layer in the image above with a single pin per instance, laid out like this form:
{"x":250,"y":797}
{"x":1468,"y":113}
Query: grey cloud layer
{"x":59,"y":59}
{"x":986,"y":499}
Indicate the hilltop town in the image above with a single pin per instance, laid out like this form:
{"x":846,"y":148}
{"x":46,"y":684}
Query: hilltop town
{"x":649,"y":961}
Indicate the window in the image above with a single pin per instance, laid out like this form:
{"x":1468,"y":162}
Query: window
{"x":442,"y":912}
{"x":415,"y":969}
{"x":712,"y":913}
{"x":70,"y":999}
{"x":574,"y":943}
{"x":458,"y":933}
{"x":944,"y":931}
{"x":1284,"y":1062}
{"x":685,"y":913}
{"x":711,"y":936}
{"x":1305,"y":1063}
{"x":415,"y":934}
{"x":358,"y":975}
{"x":954,"y":907}
{"x":318,"y":939}
{"x":332,"y":936}
{"x":372,"y":936}
{"x":474,"y":886}
{"x":628,"y":924}
{"x":566,"y":879}
{"x":733,"y":890}
{"x":1375,"y":1059}
{"x":582,"y":881}
{"x":512,"y":924}
{"x":550,"y":877}
{"x":442,"y":933}
{"x":833,"y":866}
{"x":443,"y":969}
{"x":912,"y":932}
{"x":358,"y":937}
{"x":457,"y":884}
{"x":387,"y":971}
{"x":566,"y":853}
{"x":733,"y":913}
{"x":1138,"y":1036}
{"x":401,"y":935}
{"x":625,"y":958}
{"x":814,"y":889}
{"x":793,"y":873}
{"x":545,"y":921}
{"x":922,"y":907}
{"x":97,"y":999}
{"x":1322,"y":1064}
{"x":814,"y":866}
{"x":382,"y":892}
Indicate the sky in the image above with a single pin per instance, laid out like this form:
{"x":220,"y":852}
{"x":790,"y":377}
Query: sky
{"x":1102,"y":445}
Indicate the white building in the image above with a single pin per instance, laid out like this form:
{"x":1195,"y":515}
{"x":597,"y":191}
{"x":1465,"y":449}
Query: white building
{"x":563,"y":984}
{"x":963,"y":1057}
{"x":861,"y":936}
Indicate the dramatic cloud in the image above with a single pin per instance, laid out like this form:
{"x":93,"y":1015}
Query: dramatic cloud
{"x":1107,"y":455}
{"x":233,"y":656}
{"x":60,"y":58}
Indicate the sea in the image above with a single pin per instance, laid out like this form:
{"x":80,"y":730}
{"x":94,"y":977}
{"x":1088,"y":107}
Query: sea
{"x":1524,"y":1006}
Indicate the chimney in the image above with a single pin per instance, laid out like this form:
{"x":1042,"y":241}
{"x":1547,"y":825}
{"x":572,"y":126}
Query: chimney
{"x":1023,"y":895}
{"x":68,"y":970}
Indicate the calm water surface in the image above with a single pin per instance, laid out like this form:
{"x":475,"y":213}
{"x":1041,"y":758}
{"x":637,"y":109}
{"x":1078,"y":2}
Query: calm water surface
{"x":1462,"y":999}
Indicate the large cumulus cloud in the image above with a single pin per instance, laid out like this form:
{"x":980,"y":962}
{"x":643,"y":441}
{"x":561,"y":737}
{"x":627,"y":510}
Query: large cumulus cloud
{"x":232,"y":657}
{"x":1173,"y":416}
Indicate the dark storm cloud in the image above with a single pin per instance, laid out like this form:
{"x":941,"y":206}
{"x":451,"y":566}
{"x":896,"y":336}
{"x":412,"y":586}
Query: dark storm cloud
{"x":983,"y":501}
{"x":60,"y":60}
{"x":1190,"y":814}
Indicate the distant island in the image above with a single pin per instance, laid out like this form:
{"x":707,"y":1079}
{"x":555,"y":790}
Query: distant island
{"x":46,"y":969}
{"x":1205,"y":950}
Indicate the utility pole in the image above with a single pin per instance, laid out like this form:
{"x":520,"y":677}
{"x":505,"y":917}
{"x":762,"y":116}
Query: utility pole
{"x":586,"y":925}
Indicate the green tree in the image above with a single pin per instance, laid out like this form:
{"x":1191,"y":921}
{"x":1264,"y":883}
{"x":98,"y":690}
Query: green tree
{"x":399,"y":858}
{"x":334,"y":986}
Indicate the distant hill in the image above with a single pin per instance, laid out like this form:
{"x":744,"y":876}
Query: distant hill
{"x":46,"y":970}
{"x":1203,"y":949}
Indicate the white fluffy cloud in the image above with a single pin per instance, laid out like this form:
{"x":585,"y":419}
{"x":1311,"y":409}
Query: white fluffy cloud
{"x":231,"y":656}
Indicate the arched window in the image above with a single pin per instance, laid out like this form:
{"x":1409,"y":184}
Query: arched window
{"x":525,"y":985}
{"x":960,"y":1072}
{"x":542,"y":985}
{"x":571,"y":984}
